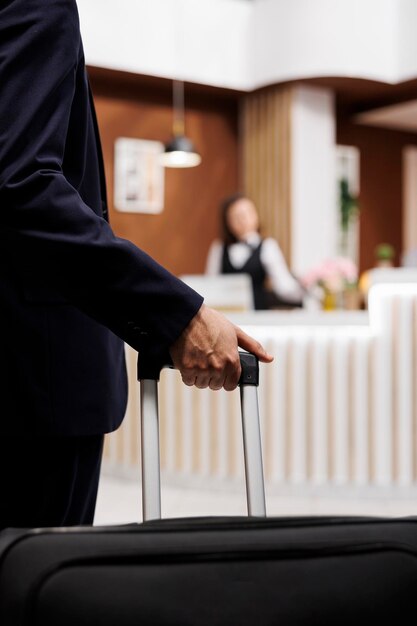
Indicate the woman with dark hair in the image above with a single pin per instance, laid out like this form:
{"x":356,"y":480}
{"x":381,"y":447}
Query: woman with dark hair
{"x":242,"y":250}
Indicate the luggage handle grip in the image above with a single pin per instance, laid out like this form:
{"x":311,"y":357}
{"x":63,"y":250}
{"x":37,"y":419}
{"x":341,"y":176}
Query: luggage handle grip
{"x":151,"y":478}
{"x":150,"y":367}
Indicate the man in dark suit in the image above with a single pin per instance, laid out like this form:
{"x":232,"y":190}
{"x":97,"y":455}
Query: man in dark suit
{"x":70,"y":290}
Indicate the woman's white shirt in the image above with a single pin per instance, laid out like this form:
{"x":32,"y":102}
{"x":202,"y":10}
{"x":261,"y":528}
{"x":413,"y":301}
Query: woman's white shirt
{"x":272,"y":259}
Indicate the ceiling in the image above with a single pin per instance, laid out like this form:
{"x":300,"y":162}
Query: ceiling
{"x":402,"y":116}
{"x":375,"y":103}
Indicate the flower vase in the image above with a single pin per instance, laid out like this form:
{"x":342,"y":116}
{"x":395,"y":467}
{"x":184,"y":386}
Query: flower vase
{"x":352,"y":299}
{"x":329,"y":301}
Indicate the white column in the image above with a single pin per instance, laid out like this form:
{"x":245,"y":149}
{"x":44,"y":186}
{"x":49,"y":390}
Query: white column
{"x":298,"y":423}
{"x":279,"y":401}
{"x":380,"y":312}
{"x":361,"y":411}
{"x":410,"y":199}
{"x":340,"y":377}
{"x":314,"y":199}
{"x":404,"y":382}
{"x":319,"y":410}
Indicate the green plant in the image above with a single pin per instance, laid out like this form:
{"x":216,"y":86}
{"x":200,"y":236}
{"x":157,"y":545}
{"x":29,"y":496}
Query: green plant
{"x":348,"y":204}
{"x":384,"y":252}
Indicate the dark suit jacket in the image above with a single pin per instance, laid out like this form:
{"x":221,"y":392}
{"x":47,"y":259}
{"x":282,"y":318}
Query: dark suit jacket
{"x":70,"y":290}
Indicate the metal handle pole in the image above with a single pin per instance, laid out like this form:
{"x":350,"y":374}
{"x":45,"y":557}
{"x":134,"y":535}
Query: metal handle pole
{"x":255,"y":488}
{"x":151,"y":476}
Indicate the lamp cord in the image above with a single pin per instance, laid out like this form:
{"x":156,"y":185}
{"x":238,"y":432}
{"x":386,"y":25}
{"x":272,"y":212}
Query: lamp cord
{"x":178,"y":104}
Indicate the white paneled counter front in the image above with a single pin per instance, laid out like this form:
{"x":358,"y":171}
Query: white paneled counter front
{"x":338,"y":404}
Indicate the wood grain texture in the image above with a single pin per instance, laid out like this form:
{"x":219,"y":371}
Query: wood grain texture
{"x":266,"y":147}
{"x":381,"y":185}
{"x":131,"y":106}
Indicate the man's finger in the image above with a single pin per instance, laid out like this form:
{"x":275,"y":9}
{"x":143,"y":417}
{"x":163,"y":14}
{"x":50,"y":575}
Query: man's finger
{"x":202,"y":382}
{"x":215,"y":384}
{"x":251,"y":345}
{"x":230,"y":383}
{"x":232,"y":375}
{"x":188,"y":379}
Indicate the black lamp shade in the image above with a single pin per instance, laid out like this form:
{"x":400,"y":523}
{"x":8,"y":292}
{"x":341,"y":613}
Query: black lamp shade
{"x":180,"y":152}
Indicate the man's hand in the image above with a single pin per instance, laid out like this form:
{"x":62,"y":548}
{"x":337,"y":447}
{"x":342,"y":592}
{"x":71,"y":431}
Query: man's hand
{"x":206,"y":353}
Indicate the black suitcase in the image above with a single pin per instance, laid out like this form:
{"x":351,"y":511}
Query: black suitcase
{"x":212,"y":571}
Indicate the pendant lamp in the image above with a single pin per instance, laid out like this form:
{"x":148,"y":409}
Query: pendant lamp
{"x":180,"y":151}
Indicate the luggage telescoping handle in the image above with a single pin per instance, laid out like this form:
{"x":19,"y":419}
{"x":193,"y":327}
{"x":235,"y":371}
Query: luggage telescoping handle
{"x":148,"y":376}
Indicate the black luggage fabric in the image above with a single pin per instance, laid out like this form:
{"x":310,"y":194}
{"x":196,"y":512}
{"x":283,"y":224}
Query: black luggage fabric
{"x":213,"y":572}
{"x":246,"y":571}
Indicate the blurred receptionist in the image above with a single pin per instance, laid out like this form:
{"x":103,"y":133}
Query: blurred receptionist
{"x":242,"y":250}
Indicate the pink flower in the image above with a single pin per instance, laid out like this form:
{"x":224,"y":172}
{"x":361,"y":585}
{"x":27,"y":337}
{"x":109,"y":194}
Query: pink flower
{"x":333,"y":274}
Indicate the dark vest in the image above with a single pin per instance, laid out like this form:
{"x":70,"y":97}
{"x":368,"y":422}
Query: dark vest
{"x":256,"y":271}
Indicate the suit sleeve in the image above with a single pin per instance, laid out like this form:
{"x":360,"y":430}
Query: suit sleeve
{"x":51,"y":233}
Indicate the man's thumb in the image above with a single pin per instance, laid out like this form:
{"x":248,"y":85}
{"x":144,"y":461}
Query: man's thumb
{"x":251,"y":345}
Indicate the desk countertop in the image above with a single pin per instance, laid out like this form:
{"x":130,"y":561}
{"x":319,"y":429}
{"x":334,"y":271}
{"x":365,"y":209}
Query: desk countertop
{"x":300,"y":317}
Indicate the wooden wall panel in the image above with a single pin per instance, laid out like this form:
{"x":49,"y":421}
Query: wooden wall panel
{"x":129,"y":106}
{"x":179,"y":238}
{"x":266,"y":141}
{"x":381,"y":185}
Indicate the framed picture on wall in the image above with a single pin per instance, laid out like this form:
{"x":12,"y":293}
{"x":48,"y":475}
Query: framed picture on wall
{"x":138,"y":176}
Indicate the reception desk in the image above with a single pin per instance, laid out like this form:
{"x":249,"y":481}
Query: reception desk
{"x":338,"y":404}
